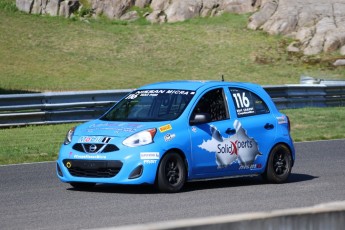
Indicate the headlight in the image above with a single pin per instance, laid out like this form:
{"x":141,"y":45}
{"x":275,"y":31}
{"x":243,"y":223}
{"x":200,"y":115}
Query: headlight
{"x":142,"y":138}
{"x":69,"y":136}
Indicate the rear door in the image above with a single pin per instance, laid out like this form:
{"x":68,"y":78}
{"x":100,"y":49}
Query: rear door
{"x":255,"y":129}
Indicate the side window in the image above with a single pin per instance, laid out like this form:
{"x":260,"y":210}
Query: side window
{"x":248,"y":103}
{"x":213,"y":103}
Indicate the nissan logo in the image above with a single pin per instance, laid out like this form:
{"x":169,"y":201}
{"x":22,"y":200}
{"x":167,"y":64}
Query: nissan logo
{"x":92,"y":148}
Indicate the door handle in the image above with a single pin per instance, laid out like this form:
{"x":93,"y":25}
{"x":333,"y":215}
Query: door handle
{"x":269,"y":126}
{"x":230,"y":131}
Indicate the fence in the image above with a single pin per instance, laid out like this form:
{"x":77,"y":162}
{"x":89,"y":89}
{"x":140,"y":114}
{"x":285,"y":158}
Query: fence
{"x":50,"y":108}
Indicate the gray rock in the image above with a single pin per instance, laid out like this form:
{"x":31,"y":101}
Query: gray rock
{"x":67,"y":7}
{"x":342,"y":50}
{"x":142,"y":3}
{"x":130,"y":16}
{"x":260,"y":17}
{"x":210,"y":8}
{"x":157,"y":16}
{"x":293,"y":47}
{"x":238,"y":6}
{"x":319,"y":25}
{"x":159,"y":5}
{"x":25,"y":5}
{"x":52,"y":7}
{"x":113,"y":9}
{"x":180,"y":10}
{"x":37,"y":6}
{"x":339,"y":62}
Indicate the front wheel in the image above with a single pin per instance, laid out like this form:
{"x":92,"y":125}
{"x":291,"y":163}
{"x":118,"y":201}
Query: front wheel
{"x":171,"y":173}
{"x":279,"y":165}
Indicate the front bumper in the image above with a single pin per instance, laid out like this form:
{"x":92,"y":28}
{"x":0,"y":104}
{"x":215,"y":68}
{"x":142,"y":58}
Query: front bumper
{"x":112,"y":168}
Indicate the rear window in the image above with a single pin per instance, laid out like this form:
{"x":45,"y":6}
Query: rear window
{"x":248,"y":103}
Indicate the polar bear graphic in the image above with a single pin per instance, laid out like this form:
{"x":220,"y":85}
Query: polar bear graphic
{"x":236,"y":148}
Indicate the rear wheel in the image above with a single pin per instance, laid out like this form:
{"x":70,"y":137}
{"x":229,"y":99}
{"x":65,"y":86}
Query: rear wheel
{"x":82,"y":186}
{"x":279,"y":165}
{"x":171,"y":173}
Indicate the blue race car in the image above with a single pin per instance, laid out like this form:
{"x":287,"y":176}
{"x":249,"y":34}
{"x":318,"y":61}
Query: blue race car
{"x":172,"y":132}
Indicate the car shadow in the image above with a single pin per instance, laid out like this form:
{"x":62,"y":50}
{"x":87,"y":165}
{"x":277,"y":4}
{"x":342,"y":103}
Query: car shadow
{"x":298,"y":177}
{"x":241,"y":182}
{"x":192,"y":186}
{"x":128,"y":189}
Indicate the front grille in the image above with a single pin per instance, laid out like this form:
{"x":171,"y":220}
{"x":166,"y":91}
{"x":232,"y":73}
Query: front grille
{"x":93,"y":169}
{"x":95,"y":148}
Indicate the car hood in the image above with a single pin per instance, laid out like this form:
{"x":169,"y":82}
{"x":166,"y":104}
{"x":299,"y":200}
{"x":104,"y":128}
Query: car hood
{"x":114,"y":129}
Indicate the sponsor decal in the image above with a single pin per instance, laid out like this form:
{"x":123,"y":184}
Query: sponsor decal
{"x":253,"y":166}
{"x":157,"y":92}
{"x":165,"y":128}
{"x":89,"y":157}
{"x":194,"y":129}
{"x":150,"y":161}
{"x":149,"y":155}
{"x":238,"y":148}
{"x":117,"y":127}
{"x":169,"y":137}
{"x":282,"y":120}
{"x":94,"y":139}
{"x":70,"y":154}
{"x":68,"y":164}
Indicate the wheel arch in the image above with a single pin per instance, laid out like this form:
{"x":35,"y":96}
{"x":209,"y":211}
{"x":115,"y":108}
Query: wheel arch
{"x":285,"y":145}
{"x":179,"y":152}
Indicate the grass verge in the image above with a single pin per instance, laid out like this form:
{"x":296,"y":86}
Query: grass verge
{"x":42,"y":53}
{"x":42,"y":143}
{"x":311,"y":124}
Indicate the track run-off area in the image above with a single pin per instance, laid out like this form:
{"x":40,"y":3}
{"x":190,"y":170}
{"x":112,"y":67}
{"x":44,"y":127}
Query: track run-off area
{"x":32,"y":197}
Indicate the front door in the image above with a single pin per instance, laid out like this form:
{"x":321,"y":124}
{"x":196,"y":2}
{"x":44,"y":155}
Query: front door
{"x":212,"y":151}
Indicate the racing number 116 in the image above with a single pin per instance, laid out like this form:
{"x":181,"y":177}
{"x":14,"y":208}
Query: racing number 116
{"x":241,"y":101}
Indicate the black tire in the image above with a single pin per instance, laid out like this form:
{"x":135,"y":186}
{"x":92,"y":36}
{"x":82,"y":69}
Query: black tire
{"x":279,"y":165}
{"x":82,"y":186}
{"x":171,"y":173}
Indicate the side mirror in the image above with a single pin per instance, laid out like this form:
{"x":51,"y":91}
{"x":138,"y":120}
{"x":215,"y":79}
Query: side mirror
{"x":200,"y":118}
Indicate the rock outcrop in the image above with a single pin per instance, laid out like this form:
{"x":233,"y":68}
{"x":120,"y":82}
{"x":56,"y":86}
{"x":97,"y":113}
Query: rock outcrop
{"x":317,"y":25}
{"x":180,"y":10}
{"x":50,"y":7}
{"x":162,"y":10}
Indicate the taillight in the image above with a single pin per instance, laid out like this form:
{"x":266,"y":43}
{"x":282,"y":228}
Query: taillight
{"x":289,"y":125}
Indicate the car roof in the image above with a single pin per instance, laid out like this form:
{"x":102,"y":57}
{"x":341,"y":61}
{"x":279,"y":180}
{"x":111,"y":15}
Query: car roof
{"x":193,"y":84}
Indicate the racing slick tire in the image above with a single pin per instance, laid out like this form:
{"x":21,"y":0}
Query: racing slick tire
{"x":82,"y":186}
{"x":279,"y":165}
{"x":171,"y":173}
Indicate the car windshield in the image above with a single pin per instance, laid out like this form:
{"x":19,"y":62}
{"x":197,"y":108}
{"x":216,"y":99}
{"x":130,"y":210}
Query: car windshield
{"x":150,"y":105}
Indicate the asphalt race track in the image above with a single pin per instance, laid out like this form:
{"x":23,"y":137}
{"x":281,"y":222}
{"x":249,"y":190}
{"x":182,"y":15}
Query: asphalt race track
{"x":31,"y":196}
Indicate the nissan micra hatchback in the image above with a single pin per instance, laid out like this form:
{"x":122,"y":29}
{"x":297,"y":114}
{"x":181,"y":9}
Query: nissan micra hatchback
{"x":172,"y":132}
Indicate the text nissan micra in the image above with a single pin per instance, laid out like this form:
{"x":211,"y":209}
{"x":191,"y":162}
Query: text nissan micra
{"x":172,"y":132}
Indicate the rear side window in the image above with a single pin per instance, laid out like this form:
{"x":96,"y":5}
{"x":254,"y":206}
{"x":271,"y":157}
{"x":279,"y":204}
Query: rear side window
{"x":248,"y":103}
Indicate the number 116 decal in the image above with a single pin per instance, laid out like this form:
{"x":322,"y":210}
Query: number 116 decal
{"x":241,"y":101}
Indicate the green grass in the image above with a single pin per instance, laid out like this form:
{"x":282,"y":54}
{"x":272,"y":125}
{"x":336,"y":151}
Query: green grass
{"x":42,"y":53}
{"x":42,"y":143}
{"x":310,"y":124}
{"x":31,"y":143}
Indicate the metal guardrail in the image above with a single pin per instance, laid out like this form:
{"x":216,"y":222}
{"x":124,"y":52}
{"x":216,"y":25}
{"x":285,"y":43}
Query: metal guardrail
{"x":50,"y":108}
